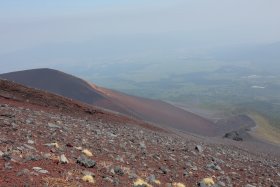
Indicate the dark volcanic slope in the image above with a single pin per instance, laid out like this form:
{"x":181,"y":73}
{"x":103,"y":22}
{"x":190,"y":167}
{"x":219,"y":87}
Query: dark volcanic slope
{"x":62,"y":84}
{"x":47,"y":140}
{"x":56,"y":82}
{"x":150,"y":110}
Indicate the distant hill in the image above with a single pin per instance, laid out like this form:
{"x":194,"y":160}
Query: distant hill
{"x":154,"y":111}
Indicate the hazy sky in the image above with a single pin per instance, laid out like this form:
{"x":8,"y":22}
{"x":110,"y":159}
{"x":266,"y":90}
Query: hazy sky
{"x":30,"y":24}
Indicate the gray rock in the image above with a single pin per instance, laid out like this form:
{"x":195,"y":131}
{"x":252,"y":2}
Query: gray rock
{"x":7,"y":165}
{"x":112,"y":135}
{"x":151,"y":178}
{"x":132,"y":175}
{"x":234,"y":135}
{"x":214,"y":167}
{"x":194,"y":168}
{"x":23,"y":172}
{"x":29,"y":147}
{"x":142,"y":145}
{"x":199,"y":148}
{"x":164,"y":169}
{"x":108,"y":179}
{"x":217,"y":160}
{"x":118,"y":158}
{"x":47,"y":155}
{"x":30,"y":142}
{"x":116,"y":181}
{"x":185,"y":173}
{"x":222,"y":184}
{"x":31,"y":158}
{"x":54,"y":126}
{"x":40,"y":170}
{"x":118,"y":171}
{"x":86,"y":162}
{"x":63,"y":159}
{"x":6,"y":156}
{"x":29,"y":121}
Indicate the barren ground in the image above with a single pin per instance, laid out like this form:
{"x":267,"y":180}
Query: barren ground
{"x":37,"y":128}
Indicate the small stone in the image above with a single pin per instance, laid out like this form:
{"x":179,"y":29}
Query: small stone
{"x":118,"y":171}
{"x":112,"y":135}
{"x":6,"y":157}
{"x":88,"y":163}
{"x":199,"y":148}
{"x":151,"y":178}
{"x":118,"y":158}
{"x":164,"y":170}
{"x":116,"y":181}
{"x":47,"y":155}
{"x":28,"y":121}
{"x":79,"y":148}
{"x":63,"y":159}
{"x":206,"y":182}
{"x":132,"y":175}
{"x":87,"y":153}
{"x":30,"y":142}
{"x":89,"y":179}
{"x":40,"y":170}
{"x":185,"y":173}
{"x":23,"y":172}
{"x":141,"y":183}
{"x":52,"y":145}
{"x":108,"y":179}
{"x":194,"y":168}
{"x":53,"y":126}
{"x":142,"y":145}
{"x":214,"y":167}
{"x":29,"y":147}
{"x":31,"y":158}
{"x":7,"y":165}
{"x":222,"y":184}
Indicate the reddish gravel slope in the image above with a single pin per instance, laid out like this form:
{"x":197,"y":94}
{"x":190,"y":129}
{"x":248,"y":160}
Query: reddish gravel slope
{"x":48,"y":140}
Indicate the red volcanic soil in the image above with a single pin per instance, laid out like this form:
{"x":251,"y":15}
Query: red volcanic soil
{"x":38,"y":128}
{"x":159,"y":112}
{"x":154,"y":111}
{"x":18,"y":95}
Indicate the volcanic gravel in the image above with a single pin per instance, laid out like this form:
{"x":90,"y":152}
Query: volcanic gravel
{"x":47,"y":146}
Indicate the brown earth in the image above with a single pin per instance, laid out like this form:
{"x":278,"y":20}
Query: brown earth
{"x":37,"y":127}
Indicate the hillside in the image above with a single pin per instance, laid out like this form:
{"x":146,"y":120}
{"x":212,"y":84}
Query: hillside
{"x":49,"y":140}
{"x":154,"y":111}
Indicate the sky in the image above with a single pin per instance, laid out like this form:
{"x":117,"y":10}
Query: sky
{"x":29,"y":26}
